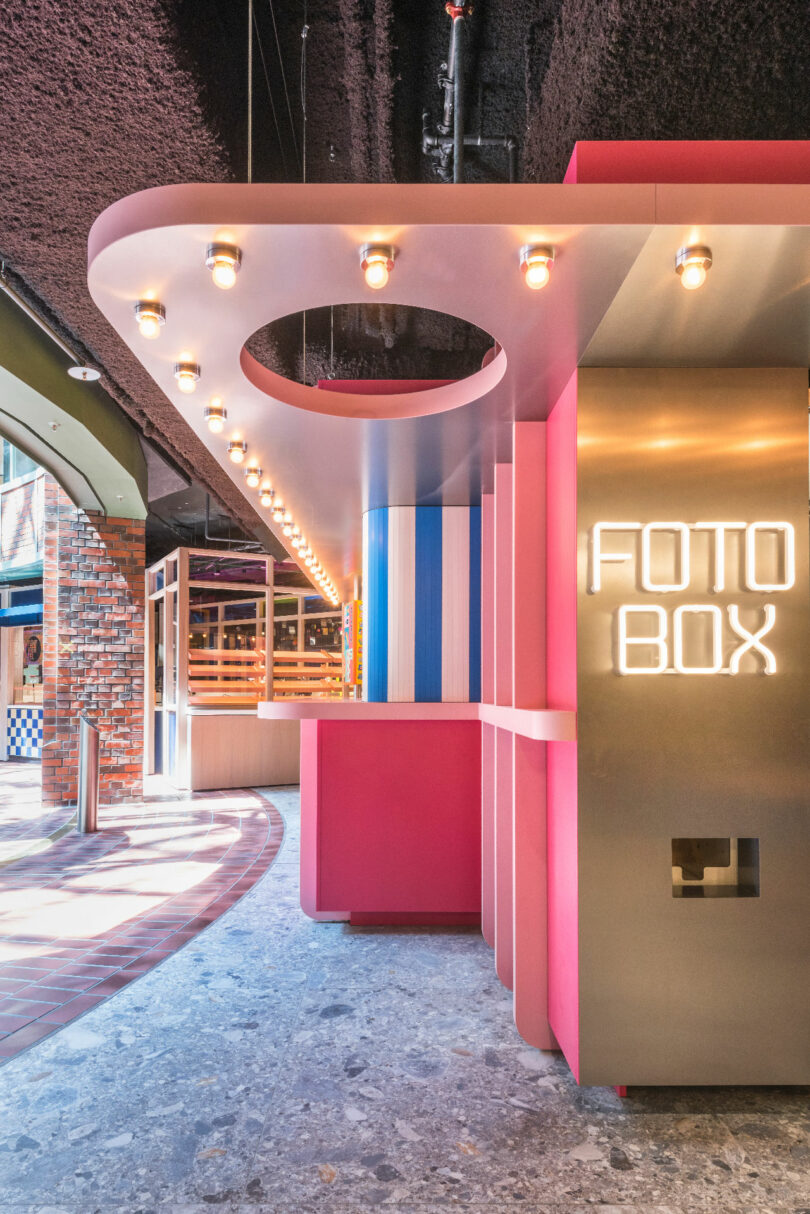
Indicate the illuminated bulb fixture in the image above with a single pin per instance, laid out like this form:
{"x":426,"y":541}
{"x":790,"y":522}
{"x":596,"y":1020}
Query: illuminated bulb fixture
{"x":692,"y":263}
{"x":278,"y":512}
{"x":223,"y":260}
{"x":287,"y":530}
{"x":377,"y":262}
{"x":536,"y":261}
{"x":216,"y":415}
{"x":237,"y":451}
{"x":309,"y":561}
{"x":266,"y":496}
{"x":151,"y":318}
{"x":297,"y":539}
{"x":186,"y":375}
{"x":253,"y":476}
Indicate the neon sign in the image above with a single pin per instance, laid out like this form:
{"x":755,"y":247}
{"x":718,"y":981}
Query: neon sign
{"x":649,"y":639}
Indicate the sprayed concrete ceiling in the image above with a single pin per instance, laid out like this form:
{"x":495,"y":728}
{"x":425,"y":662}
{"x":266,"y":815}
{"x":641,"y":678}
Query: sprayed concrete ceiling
{"x":102,"y":100}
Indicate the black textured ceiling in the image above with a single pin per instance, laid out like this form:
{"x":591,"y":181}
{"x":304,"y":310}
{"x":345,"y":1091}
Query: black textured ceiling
{"x":101,"y":99}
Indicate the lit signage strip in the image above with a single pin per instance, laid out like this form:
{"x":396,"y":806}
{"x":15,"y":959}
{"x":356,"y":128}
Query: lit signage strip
{"x":661,"y":639}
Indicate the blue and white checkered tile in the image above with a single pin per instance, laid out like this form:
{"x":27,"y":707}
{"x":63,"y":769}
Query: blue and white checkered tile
{"x":24,"y":724}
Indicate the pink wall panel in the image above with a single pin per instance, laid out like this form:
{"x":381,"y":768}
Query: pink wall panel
{"x":775,"y":162}
{"x":310,"y":792}
{"x":398,"y":819}
{"x":529,"y":757}
{"x":487,"y":731}
{"x":504,"y":905}
{"x":503,"y":738}
{"x":488,"y":833}
{"x":503,"y":583}
{"x":530,"y":893}
{"x":561,"y":605}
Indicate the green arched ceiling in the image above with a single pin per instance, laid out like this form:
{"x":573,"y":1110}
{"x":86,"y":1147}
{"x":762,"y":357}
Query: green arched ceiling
{"x":69,"y":427}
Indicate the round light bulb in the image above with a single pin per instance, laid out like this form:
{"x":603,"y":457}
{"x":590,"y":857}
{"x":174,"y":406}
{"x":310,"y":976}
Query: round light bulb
{"x":537,"y":274}
{"x":216,"y":423}
{"x":266,"y":497}
{"x":237,"y":452}
{"x":693,"y":276}
{"x":224,"y":275}
{"x":252,"y":477}
{"x":278,"y":515}
{"x":376,"y":274}
{"x":149,"y":327}
{"x":151,"y":317}
{"x":287,"y":530}
{"x":308,"y":561}
{"x":186,"y":375}
{"x":288,"y":518}
{"x":223,"y":260}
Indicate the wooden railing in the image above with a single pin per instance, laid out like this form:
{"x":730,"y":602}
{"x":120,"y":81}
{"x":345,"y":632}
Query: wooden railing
{"x":297,"y":675}
{"x":231,"y":677}
{"x":225,"y":676}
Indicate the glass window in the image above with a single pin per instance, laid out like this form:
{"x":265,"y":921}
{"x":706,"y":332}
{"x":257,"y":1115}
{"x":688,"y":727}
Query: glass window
{"x":212,"y":568}
{"x":315,"y":605}
{"x":285,"y":634}
{"x":286,"y":606}
{"x":323,"y":634}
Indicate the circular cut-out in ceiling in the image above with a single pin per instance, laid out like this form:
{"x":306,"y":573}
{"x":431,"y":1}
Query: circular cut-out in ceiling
{"x":373,"y":360}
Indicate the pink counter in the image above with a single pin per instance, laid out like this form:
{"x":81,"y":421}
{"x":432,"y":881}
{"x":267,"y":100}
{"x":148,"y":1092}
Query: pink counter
{"x":391,"y":807}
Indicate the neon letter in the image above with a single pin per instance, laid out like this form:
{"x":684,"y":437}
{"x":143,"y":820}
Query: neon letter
{"x":658,"y":642}
{"x":751,"y":582}
{"x":717,"y":639}
{"x":680,"y":529}
{"x":752,"y":639}
{"x":598,"y":556}
{"x":719,"y":530}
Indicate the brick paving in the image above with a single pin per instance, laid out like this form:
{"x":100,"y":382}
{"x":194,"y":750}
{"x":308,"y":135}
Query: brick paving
{"x":87,"y":915}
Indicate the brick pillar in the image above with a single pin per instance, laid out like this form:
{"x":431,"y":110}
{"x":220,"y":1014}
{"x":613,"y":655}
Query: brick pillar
{"x":93,"y":647}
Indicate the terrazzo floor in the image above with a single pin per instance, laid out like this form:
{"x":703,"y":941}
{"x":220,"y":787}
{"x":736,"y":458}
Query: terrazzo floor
{"x":275,"y":1064}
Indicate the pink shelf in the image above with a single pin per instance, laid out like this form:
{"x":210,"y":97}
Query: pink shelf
{"x":540,"y":724}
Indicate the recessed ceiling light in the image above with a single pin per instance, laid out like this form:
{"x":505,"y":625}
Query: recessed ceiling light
{"x":223,"y":260}
{"x":86,"y":374}
{"x":151,"y":318}
{"x":377,"y":262}
{"x":186,"y":375}
{"x":693,"y":263}
{"x":535,"y":263}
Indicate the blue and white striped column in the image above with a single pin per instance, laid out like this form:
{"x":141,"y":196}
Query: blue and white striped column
{"x":422,"y":603}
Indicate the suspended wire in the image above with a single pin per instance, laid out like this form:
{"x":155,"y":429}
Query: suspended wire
{"x":250,"y":94}
{"x":284,"y":81}
{"x":270,"y":95}
{"x":303,"y":86}
{"x":304,"y":33}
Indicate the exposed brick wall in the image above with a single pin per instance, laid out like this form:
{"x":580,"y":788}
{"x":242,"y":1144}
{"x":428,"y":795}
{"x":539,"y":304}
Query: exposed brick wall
{"x":93,"y":647}
{"x":20,"y":520}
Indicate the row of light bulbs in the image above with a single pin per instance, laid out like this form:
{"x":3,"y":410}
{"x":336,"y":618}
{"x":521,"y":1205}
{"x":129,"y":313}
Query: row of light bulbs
{"x":224,"y":262}
{"x":215,"y":415}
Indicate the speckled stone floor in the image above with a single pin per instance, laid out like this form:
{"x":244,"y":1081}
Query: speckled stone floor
{"x":275,"y":1064}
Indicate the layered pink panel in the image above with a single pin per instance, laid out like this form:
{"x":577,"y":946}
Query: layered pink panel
{"x":488,"y":731}
{"x":530,"y":966}
{"x":503,"y":738}
{"x":727,"y":162}
{"x":391,"y":820}
{"x":561,"y":673}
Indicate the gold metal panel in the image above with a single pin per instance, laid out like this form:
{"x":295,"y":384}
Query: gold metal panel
{"x":693,"y":990}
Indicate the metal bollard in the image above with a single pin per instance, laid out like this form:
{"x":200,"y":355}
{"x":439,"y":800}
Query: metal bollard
{"x":88,"y":778}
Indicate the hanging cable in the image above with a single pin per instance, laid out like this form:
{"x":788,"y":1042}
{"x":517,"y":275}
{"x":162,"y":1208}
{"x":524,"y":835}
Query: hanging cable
{"x":303,"y":86}
{"x":270,"y":95}
{"x":250,"y":94}
{"x":331,"y":341}
{"x":284,"y":81}
{"x":304,"y":33}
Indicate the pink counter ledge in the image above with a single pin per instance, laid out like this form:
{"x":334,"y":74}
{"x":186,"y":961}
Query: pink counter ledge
{"x":391,"y":807}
